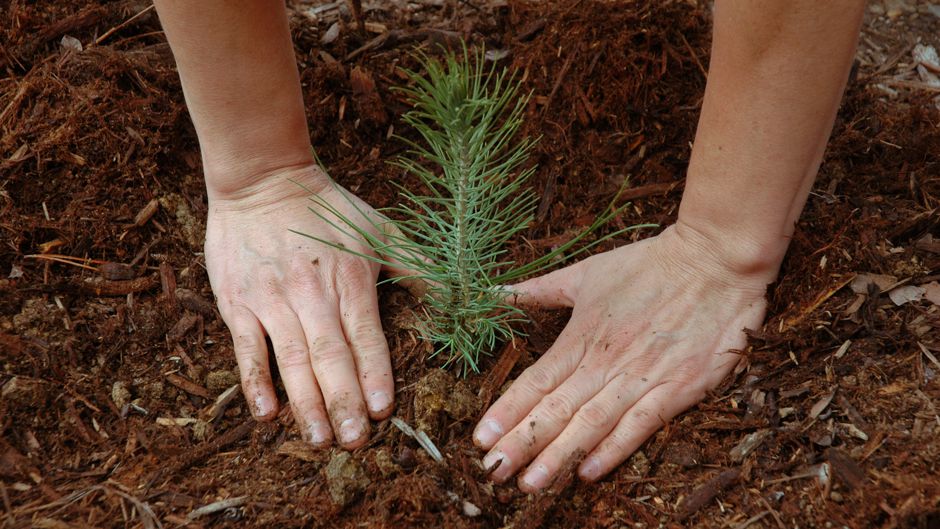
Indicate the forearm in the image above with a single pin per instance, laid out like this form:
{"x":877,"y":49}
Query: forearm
{"x":237,"y":67}
{"x":775,"y":80}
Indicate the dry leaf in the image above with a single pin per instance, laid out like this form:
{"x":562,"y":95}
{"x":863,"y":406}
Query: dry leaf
{"x":861,"y":282}
{"x":932,"y":292}
{"x":905,"y":294}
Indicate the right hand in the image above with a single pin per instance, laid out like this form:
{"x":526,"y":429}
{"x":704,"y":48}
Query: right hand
{"x":317,"y":304}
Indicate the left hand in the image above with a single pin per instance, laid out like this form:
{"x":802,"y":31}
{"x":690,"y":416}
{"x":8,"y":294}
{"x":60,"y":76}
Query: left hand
{"x":654,"y":327}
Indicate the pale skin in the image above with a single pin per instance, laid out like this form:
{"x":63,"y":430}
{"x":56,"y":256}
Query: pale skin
{"x":654,"y":324}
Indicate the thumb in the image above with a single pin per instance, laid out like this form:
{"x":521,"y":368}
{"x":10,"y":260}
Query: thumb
{"x":555,"y":289}
{"x":406,"y":276}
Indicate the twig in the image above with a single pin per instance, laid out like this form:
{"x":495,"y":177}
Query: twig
{"x":694,"y":56}
{"x":120,"y":26}
{"x":561,"y":77}
{"x":356,"y":6}
{"x":752,"y":520}
{"x":215,"y":507}
{"x":66,"y":259}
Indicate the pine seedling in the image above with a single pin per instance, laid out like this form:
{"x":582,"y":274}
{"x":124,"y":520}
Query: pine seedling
{"x":454,"y":237}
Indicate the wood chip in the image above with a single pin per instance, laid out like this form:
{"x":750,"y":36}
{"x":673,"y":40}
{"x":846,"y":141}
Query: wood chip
{"x":844,"y":468}
{"x":146,"y":213}
{"x":749,"y":443}
{"x":821,"y":405}
{"x":706,"y":492}
{"x":183,"y":326}
{"x":498,"y":374}
{"x":222,"y":402}
{"x":196,"y":303}
{"x":188,"y":385}
{"x":301,"y":450}
{"x":843,"y":348}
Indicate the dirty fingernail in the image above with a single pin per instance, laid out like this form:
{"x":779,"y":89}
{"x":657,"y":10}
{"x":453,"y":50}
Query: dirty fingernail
{"x":536,"y":478}
{"x":488,"y":433}
{"x":318,"y":433}
{"x":498,"y":473}
{"x":350,"y":430}
{"x":591,"y":468}
{"x":263,"y":406}
{"x":379,"y":401}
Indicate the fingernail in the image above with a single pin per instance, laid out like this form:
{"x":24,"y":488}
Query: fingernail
{"x":488,"y":432}
{"x":591,"y":468}
{"x":350,"y":430}
{"x":536,"y":478}
{"x":379,"y":401}
{"x":318,"y":433}
{"x":501,"y":472}
{"x":263,"y":406}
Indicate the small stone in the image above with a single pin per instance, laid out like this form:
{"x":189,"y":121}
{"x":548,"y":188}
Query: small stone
{"x":120,"y":394}
{"x":383,"y":460}
{"x":836,"y":497}
{"x":407,"y":458}
{"x":470,"y":510}
{"x":345,"y":478}
{"x":218,"y":381}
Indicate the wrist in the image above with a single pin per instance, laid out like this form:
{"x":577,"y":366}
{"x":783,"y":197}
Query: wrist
{"x":732,"y":249}
{"x":249,"y":189}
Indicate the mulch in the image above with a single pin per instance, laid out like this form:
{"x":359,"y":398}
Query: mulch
{"x":117,"y":406}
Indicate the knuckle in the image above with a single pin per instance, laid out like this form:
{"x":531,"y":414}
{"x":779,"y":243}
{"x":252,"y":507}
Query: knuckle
{"x":595,"y":415}
{"x":328,"y":350}
{"x":354,"y":276}
{"x":557,"y":408}
{"x":367,"y":337}
{"x":291,"y":354}
{"x":247,"y":348}
{"x":616,"y":443}
{"x":540,"y":379}
{"x":308,"y":406}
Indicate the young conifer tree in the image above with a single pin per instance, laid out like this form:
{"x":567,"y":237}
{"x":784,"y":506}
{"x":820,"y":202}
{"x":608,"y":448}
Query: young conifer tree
{"x":454,"y":237}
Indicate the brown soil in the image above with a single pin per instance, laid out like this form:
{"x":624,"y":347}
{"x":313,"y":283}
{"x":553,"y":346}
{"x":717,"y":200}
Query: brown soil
{"x":110,"y":373}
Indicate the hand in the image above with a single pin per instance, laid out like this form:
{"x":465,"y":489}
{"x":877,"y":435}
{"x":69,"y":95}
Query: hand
{"x":317,"y":304}
{"x":654,"y":326}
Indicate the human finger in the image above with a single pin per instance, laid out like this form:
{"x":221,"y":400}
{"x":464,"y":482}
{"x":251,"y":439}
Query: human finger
{"x":552,"y":290}
{"x":362,"y":327}
{"x":589,"y":425}
{"x":648,"y":415}
{"x":542,"y":378}
{"x":540,"y":427}
{"x":335,"y":370}
{"x":251,"y":353}
{"x":293,"y":360}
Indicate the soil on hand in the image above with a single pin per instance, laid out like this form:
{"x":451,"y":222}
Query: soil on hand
{"x":120,"y":405}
